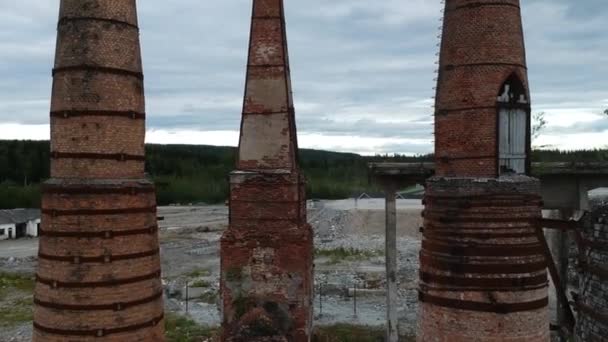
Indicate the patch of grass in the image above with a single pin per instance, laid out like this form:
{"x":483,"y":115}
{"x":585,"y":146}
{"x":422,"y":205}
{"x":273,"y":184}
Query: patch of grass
{"x":182,"y":329}
{"x":17,"y":312}
{"x":208,"y":297}
{"x":15,"y":281}
{"x":337,"y":255}
{"x":234,"y":274}
{"x":200,"y":283}
{"x":352,"y":333}
{"x":200,"y":272}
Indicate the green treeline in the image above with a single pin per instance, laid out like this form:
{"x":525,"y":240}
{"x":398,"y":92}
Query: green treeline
{"x":199,"y":174}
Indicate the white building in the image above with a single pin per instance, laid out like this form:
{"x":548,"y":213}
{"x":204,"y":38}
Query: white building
{"x":19,"y":223}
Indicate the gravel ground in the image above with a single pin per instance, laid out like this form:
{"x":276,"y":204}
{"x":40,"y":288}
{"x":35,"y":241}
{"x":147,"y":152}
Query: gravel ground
{"x":190,"y":253}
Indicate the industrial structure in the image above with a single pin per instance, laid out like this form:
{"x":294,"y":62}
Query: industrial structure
{"x":266,"y":253}
{"x":98,"y":274}
{"x":19,"y":223}
{"x":482,"y":271}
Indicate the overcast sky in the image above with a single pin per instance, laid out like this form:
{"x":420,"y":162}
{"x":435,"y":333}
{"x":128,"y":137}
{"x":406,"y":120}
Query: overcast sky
{"x":362,"y":70}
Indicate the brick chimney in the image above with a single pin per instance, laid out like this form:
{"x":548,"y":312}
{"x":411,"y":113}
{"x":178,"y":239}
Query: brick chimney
{"x":482,"y":271}
{"x":98,"y":274}
{"x":266,"y":253}
{"x":482,"y":109}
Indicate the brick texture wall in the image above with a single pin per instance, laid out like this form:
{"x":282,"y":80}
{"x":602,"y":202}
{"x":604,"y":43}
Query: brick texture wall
{"x":482,"y":45}
{"x":483,"y":276}
{"x":266,"y":253}
{"x":98,"y":276}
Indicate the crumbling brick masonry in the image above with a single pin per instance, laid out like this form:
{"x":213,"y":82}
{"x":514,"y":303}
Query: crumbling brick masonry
{"x":266,"y":253}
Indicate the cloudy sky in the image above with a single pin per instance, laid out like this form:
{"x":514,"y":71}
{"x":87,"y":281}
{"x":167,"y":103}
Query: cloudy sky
{"x":362,"y":70}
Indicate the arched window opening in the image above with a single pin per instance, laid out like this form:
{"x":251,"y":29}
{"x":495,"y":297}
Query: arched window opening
{"x":513,"y":127}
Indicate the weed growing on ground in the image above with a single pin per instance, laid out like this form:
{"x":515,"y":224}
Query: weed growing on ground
{"x":341,"y":254}
{"x":182,"y":329}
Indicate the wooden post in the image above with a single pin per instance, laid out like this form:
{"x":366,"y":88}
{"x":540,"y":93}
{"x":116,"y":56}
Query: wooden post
{"x":392,"y":334}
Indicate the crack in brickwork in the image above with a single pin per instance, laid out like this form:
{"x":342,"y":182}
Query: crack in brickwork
{"x":98,"y":276}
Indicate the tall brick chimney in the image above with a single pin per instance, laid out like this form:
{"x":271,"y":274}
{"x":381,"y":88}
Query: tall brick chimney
{"x":483,"y":275}
{"x":266,"y":253}
{"x":482,"y":54}
{"x":98,"y":275}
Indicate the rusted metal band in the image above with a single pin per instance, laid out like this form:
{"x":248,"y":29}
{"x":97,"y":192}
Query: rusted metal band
{"x":446,"y":111}
{"x":94,"y":212}
{"x":100,"y":156}
{"x":485,"y":268}
{"x":481,"y":4}
{"x":100,"y":332}
{"x":94,"y":68}
{"x":97,"y":190}
{"x":267,"y":17}
{"x":266,"y":113}
{"x":453,"y":236}
{"x":66,"y":114}
{"x":104,"y":259}
{"x":491,"y":250}
{"x":484,"y":196}
{"x":108,"y":234}
{"x":110,"y":283}
{"x":590,"y":312}
{"x":266,"y":66}
{"x":449,"y":67}
{"x":65,"y":20}
{"x":447,"y":219}
{"x":114,"y":306}
{"x":464,"y":204}
{"x":455,"y":228}
{"x":484,"y":284}
{"x":500,"y":308}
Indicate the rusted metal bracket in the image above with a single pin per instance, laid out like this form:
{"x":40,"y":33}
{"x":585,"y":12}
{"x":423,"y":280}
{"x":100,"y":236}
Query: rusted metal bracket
{"x":99,"y":332}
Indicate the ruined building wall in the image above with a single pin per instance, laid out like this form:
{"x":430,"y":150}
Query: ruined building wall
{"x":482,"y":45}
{"x":98,"y":274}
{"x":266,"y":253}
{"x":592,"y":305}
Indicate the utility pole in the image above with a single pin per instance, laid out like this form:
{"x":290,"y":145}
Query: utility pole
{"x":391,"y":264}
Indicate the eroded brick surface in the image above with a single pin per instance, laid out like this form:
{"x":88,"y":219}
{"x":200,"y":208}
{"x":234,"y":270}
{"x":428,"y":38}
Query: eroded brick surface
{"x":267,"y":254}
{"x":98,"y":276}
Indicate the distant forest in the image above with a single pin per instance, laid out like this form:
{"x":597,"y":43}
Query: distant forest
{"x":187,"y":174}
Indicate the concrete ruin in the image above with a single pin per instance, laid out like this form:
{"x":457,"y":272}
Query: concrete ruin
{"x":266,"y":253}
{"x":98,"y":276}
{"x":483,"y":274}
